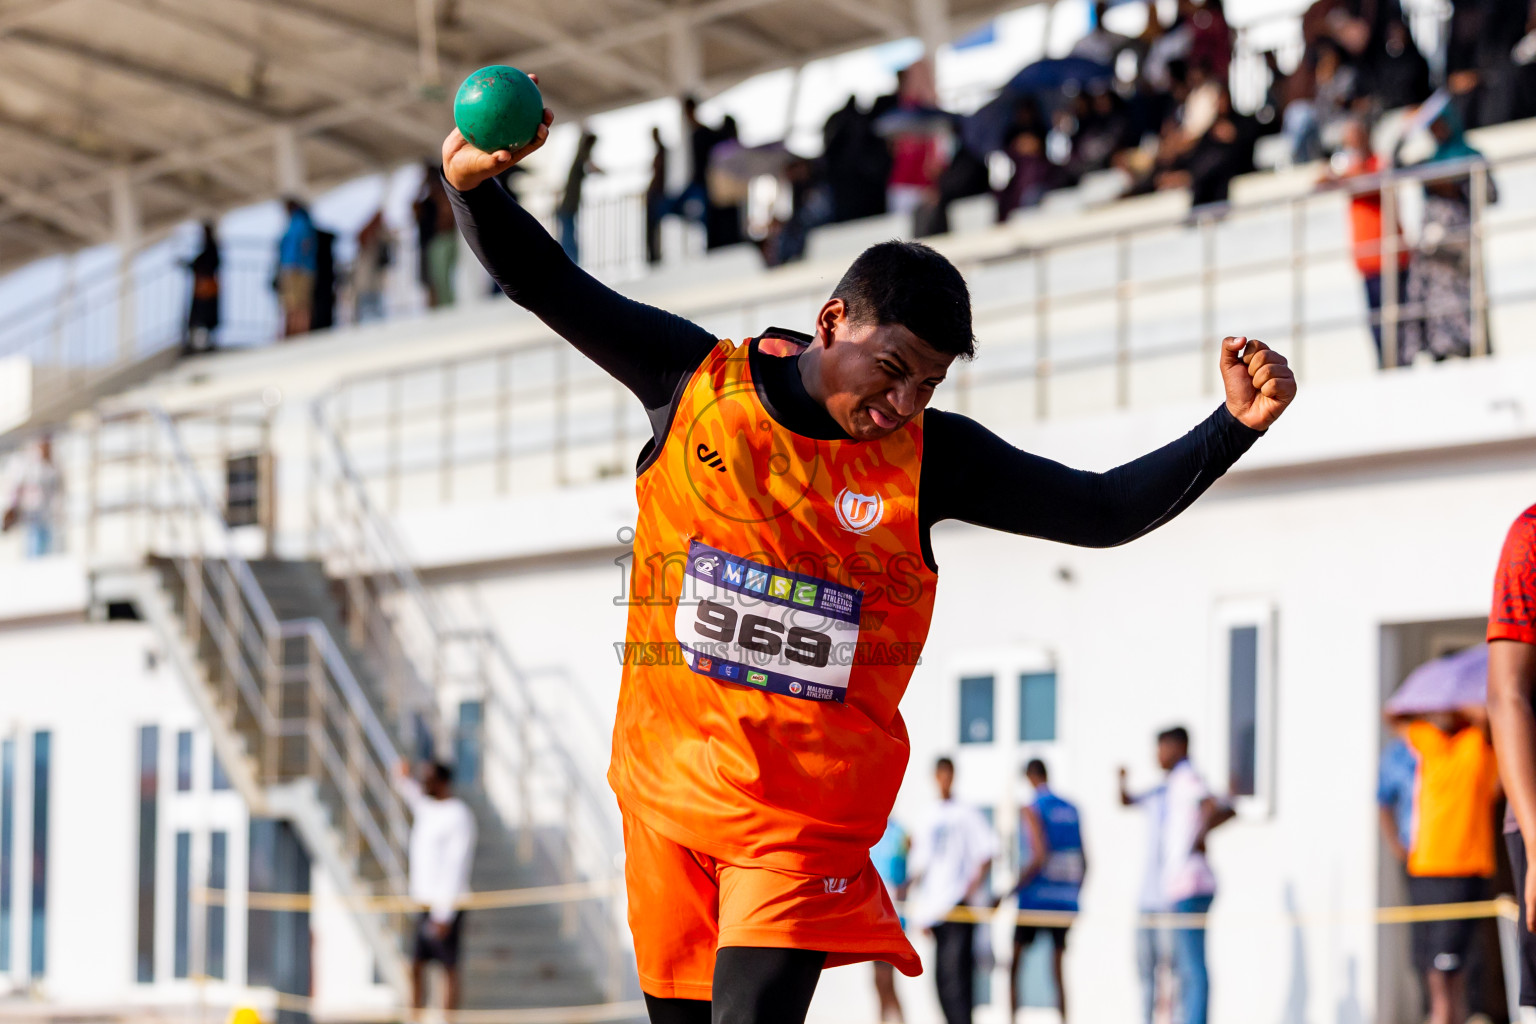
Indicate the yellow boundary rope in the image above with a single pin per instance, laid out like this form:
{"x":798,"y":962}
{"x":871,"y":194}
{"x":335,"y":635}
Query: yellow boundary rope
{"x":573,"y":892}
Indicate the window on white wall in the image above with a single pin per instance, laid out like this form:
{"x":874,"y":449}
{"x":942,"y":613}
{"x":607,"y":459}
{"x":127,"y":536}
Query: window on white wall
{"x":1243,"y":709}
{"x":976,"y":709}
{"x":1245,"y":723}
{"x":1037,"y":707}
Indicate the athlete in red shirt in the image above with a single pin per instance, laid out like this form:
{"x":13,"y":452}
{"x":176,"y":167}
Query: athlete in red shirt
{"x":1511,"y":690}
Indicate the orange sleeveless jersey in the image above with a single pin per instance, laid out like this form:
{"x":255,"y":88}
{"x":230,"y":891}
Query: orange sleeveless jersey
{"x":778,"y":602}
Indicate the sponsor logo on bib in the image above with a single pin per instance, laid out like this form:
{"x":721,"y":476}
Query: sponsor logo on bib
{"x":859,"y":513}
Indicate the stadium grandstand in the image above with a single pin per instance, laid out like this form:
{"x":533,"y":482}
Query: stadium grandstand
{"x":254,"y":563}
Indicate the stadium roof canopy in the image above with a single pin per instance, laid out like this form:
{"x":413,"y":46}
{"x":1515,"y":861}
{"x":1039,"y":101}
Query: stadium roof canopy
{"x":120,"y":118}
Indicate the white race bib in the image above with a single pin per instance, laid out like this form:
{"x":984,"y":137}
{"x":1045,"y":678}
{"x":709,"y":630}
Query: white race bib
{"x":744,"y":622}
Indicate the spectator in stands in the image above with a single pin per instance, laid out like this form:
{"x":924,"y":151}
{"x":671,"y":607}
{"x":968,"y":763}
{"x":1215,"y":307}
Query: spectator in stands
{"x":1489,"y":84}
{"x":917,"y":157}
{"x":655,"y":199}
{"x":203,"y":317}
{"x":952,"y":852}
{"x":37,"y":499}
{"x":725,"y":194}
{"x":809,"y":206}
{"x":890,"y":859}
{"x":1312,"y":124}
{"x":1050,"y":877}
{"x":1210,"y":38}
{"x":322,"y":307}
{"x":1024,"y":142}
{"x":1398,"y":76}
{"x":375,"y":252}
{"x":1440,"y":270}
{"x":1101,"y":45}
{"x":570,"y":199}
{"x":439,"y":239}
{"x":296,"y":263}
{"x":701,"y":139}
{"x":1198,"y":37}
{"x":442,"y":850}
{"x":858,"y":162}
{"x":1450,"y":850}
{"x":424,"y":209}
{"x":1104,"y":128}
{"x":1222,"y":152}
{"x":1353,"y":161}
{"x":1181,"y":812}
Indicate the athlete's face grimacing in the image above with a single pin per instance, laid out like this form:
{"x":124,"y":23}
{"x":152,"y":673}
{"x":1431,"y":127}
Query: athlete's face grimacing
{"x":871,"y":378}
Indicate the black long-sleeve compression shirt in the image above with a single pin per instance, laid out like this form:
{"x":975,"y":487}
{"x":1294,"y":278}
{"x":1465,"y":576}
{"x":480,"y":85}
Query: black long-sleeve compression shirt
{"x":969,"y":473}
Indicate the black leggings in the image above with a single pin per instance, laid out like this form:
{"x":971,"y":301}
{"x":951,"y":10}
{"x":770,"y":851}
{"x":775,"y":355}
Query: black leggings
{"x":752,"y":985}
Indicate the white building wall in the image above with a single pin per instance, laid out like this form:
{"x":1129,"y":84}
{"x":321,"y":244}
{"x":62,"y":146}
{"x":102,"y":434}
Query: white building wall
{"x":92,"y":685}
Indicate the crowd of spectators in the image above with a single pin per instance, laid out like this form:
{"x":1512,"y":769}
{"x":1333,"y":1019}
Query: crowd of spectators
{"x":1147,"y":112}
{"x":1131,"y":114}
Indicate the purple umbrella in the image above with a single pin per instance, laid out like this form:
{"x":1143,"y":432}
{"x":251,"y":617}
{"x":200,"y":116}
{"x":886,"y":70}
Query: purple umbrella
{"x":1455,"y":681}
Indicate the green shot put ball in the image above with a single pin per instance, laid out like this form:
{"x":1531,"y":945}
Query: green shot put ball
{"x":498,"y":108}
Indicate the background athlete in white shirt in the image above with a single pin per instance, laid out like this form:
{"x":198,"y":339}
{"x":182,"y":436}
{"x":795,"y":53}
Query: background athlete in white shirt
{"x":441,"y":853}
{"x":1180,"y":813}
{"x":951,"y":861}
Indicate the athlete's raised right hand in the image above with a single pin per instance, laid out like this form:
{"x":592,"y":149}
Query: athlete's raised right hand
{"x":465,"y":167}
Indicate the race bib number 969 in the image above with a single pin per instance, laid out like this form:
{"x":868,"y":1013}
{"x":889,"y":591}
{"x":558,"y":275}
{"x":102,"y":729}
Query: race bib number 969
{"x":749,"y":623}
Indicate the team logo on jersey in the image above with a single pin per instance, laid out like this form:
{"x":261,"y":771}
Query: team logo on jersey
{"x":711,"y":458}
{"x":834,"y":885}
{"x":796,"y":688}
{"x":859,"y":513}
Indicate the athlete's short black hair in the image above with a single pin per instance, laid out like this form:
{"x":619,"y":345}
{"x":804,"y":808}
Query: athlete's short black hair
{"x":910,"y":284}
{"x":1036,"y":767}
{"x":943,"y":762}
{"x":442,"y":772}
{"x":1178,"y":734}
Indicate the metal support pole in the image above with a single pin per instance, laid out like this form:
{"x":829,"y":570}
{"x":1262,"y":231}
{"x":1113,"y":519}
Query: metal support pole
{"x":1478,"y":293}
{"x":504,"y":423}
{"x":1042,"y":339}
{"x":445,"y":436}
{"x":562,"y":426}
{"x":125,"y":230}
{"x":1391,"y":301}
{"x":1298,"y":283}
{"x":1122,"y":322}
{"x":1208,"y":341}
{"x":392,"y":427}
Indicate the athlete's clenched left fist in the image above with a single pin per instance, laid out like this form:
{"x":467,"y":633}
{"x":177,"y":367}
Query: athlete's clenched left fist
{"x":1258,"y":380}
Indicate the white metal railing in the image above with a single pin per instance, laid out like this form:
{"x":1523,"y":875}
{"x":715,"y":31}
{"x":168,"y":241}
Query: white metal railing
{"x":529,"y":775}
{"x":1140,"y":322}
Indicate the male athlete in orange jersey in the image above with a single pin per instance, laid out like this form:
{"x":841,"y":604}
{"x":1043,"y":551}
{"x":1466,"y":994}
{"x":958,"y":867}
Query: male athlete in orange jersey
{"x":783,"y":583}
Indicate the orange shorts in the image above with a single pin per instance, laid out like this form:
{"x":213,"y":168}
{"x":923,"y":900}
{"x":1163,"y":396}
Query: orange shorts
{"x":684,"y":905}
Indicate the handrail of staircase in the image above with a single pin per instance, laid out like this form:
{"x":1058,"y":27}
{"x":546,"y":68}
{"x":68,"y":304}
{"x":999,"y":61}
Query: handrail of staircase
{"x":346,"y":682}
{"x":399,"y":567}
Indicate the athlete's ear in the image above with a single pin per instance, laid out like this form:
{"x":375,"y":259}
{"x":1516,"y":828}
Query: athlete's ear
{"x":833,"y":312}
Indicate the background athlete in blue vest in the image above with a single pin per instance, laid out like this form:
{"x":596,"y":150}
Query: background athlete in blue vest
{"x":1050,"y":876}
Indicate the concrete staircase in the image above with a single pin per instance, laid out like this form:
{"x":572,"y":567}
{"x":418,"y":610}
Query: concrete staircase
{"x":515,"y":957}
{"x":522,"y":956}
